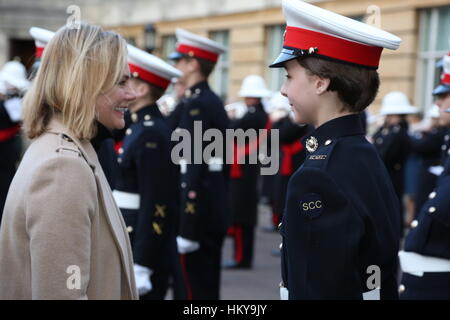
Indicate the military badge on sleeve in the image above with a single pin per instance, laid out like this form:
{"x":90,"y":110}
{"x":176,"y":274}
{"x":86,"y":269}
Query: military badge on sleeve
{"x":311,"y":205}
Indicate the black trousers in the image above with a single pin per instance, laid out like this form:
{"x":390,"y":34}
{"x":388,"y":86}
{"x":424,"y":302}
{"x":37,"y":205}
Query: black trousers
{"x":201,"y":269}
{"x":243,"y":236}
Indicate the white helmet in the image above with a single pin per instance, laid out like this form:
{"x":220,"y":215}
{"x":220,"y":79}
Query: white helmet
{"x":396,"y":102}
{"x":14,"y":74}
{"x":254,"y":86}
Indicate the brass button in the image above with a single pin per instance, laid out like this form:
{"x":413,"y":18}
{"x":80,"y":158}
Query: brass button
{"x":432,"y":209}
{"x":147,"y":117}
{"x":120,"y":150}
{"x":183,"y":185}
{"x":129,"y":229}
{"x":134,"y":117}
{"x":414,"y":223}
{"x":328,"y":142}
{"x":401,"y":288}
{"x":432,"y":195}
{"x":128,"y":132}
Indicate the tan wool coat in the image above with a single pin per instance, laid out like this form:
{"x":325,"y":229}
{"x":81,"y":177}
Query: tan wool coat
{"x":62,"y":235}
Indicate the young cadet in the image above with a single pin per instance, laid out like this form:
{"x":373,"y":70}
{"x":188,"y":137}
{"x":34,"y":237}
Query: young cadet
{"x":204,"y":184}
{"x":244,"y":177}
{"x":340,"y":226}
{"x":146,"y":182}
{"x":425,"y":260}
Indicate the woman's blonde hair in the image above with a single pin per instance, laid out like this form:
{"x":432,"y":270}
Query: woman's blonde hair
{"x":78,"y":65}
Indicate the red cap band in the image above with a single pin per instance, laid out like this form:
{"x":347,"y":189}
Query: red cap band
{"x":149,"y":77}
{"x":197,"y":52}
{"x":39,"y":52}
{"x":332,"y":47}
{"x":445,"y":79}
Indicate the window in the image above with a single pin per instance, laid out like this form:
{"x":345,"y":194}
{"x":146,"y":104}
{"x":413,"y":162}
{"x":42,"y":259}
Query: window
{"x":168,"y":46}
{"x":274,"y":43}
{"x":219,"y":77}
{"x":434,"y":43}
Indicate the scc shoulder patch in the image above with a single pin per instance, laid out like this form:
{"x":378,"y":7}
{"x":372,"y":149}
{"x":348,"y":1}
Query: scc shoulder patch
{"x":311,"y":205}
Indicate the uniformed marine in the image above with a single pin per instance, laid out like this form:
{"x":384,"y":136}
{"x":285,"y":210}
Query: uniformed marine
{"x":244,"y":174}
{"x":425,"y":260}
{"x":204,"y":214}
{"x":146,"y":183}
{"x":340,"y":224}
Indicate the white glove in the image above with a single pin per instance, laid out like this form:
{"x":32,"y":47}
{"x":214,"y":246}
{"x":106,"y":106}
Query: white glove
{"x":142,"y":276}
{"x":187,"y":246}
{"x":284,"y":293}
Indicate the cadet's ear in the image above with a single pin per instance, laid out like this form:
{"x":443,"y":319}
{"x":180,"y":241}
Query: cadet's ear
{"x":322,"y":85}
{"x":193,"y":65}
{"x":141,"y":89}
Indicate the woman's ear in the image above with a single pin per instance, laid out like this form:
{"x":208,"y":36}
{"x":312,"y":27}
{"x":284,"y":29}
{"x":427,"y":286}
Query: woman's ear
{"x":322,"y":85}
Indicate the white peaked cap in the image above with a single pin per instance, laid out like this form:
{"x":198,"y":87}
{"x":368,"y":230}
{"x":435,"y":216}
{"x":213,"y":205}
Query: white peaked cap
{"x":193,"y":45}
{"x":312,"y":30}
{"x":41,"y":38}
{"x":254,"y":86}
{"x":150,"y":68}
{"x":444,"y":86}
{"x":396,"y":102}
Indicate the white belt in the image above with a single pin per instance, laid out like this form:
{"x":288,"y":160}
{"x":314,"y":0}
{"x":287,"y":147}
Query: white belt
{"x":127,"y":200}
{"x":369,"y":295}
{"x":417,"y":264}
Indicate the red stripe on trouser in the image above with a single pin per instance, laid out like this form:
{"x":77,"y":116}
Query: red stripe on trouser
{"x":275,"y":219}
{"x":186,"y":277}
{"x":238,"y":244}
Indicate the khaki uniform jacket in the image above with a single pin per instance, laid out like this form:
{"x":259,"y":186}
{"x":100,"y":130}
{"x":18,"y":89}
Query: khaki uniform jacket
{"x":62,"y":235}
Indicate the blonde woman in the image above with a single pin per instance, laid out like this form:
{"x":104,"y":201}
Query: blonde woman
{"x":62,"y":236}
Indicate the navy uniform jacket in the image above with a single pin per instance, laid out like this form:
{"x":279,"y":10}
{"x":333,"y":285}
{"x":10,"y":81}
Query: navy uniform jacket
{"x":145,"y":168}
{"x":430,"y":235}
{"x":204,"y":187}
{"x":445,"y":155}
{"x":243,"y":185}
{"x":393,"y":145}
{"x":341,"y":217}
